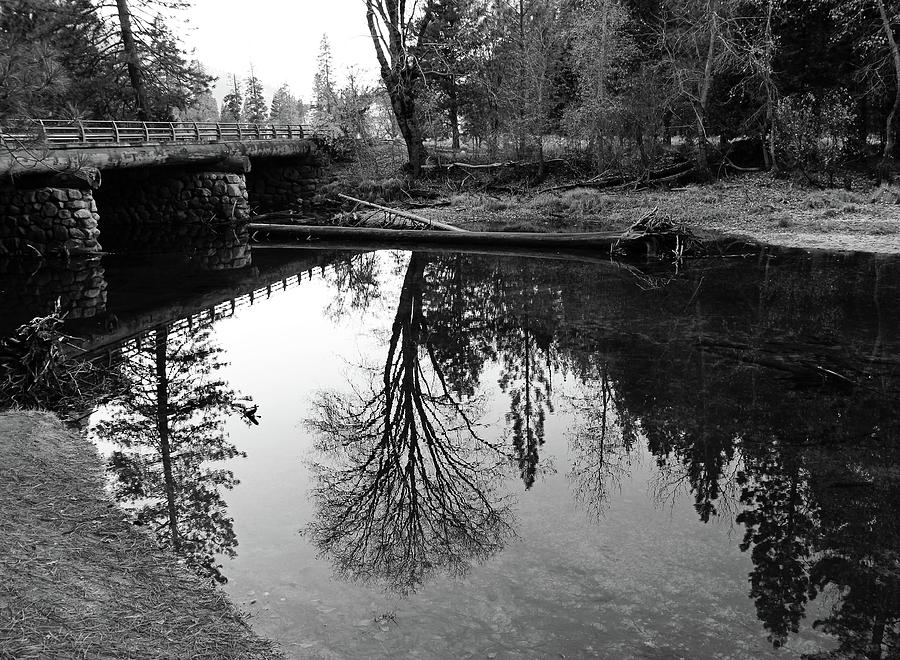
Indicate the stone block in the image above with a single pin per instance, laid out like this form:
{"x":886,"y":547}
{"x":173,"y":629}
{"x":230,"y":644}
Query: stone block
{"x":235,"y":190}
{"x":83,"y":214}
{"x":49,"y":210}
{"x":59,"y":194}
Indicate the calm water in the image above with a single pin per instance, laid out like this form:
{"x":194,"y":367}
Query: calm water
{"x":438,"y":455}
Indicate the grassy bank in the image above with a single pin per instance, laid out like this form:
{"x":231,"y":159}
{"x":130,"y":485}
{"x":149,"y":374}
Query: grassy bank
{"x":77,"y":580}
{"x":754,"y":206}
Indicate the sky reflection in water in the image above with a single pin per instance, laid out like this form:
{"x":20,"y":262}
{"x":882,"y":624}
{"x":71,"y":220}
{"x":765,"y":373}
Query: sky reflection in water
{"x":463,"y":455}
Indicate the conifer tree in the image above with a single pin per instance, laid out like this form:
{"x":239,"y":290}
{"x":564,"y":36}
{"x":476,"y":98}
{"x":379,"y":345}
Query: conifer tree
{"x":324,"y":92}
{"x":255,"y":107}
{"x":284,"y":108}
{"x":231,"y":104}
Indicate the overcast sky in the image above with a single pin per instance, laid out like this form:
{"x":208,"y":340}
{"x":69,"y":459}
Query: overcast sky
{"x":281,"y":38}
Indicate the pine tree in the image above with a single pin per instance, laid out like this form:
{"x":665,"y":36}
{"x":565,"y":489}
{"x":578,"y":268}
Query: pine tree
{"x":284,"y":107}
{"x":324,"y":93}
{"x":255,"y":107}
{"x":231,"y":104}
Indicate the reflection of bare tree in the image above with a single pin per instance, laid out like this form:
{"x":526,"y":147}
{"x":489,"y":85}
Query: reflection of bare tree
{"x":169,"y":430}
{"x":409,"y":489}
{"x":601,"y":448}
{"x":356,"y":284}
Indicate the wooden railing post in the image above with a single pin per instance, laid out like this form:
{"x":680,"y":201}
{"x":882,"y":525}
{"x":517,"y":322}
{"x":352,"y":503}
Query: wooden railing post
{"x":240,"y":133}
{"x":174,"y":136}
{"x":116,"y":130}
{"x":196,"y":131}
{"x":218,"y":131}
{"x":146,"y":131}
{"x":81,"y":132}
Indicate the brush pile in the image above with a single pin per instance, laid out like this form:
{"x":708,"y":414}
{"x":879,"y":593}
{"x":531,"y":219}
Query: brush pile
{"x":35,"y":369}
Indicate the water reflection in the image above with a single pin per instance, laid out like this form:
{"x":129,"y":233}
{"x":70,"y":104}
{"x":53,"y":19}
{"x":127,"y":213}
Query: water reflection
{"x":768,"y":394}
{"x":764,"y":392}
{"x":408,"y":485}
{"x":168,"y":428}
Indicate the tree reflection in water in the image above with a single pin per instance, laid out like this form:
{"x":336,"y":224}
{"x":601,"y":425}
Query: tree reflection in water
{"x":407,"y":487}
{"x":169,"y":433}
{"x":769,"y":406}
{"x":356,"y":283}
{"x":602,"y":446}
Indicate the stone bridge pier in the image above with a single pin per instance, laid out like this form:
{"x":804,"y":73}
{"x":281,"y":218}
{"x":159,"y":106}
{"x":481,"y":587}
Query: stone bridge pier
{"x":155,"y":203}
{"x":286,"y":182}
{"x":46,"y":214}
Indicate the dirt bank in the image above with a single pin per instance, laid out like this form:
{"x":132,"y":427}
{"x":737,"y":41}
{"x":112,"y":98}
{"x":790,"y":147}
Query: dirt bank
{"x":78,"y":581}
{"x":752,"y":206}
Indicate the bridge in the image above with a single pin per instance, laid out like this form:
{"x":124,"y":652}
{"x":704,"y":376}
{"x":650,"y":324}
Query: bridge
{"x":152,"y":173}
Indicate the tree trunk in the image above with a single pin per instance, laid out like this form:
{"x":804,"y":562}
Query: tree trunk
{"x":703,"y":170}
{"x":454,"y":112}
{"x":132,"y":60}
{"x":399,"y":70}
{"x":404,"y":104}
{"x":162,"y":427}
{"x":890,"y":133}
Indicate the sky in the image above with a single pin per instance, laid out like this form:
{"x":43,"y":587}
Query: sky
{"x":280,"y":38}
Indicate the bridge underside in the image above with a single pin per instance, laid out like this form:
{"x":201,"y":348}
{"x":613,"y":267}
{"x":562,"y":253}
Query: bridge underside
{"x":155,"y":204}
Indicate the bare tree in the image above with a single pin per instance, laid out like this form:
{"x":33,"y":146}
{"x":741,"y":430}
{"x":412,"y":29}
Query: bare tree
{"x":396,"y":30}
{"x":692,"y":36}
{"x":406,"y":487}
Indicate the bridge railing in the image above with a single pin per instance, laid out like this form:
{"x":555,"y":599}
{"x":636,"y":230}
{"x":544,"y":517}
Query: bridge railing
{"x":61,"y":132}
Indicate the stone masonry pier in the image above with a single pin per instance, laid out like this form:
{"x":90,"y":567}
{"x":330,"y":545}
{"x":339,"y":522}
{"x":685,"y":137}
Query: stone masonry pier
{"x":58,"y":201}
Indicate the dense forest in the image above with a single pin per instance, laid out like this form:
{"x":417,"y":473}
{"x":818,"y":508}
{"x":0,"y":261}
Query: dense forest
{"x":621,"y":83}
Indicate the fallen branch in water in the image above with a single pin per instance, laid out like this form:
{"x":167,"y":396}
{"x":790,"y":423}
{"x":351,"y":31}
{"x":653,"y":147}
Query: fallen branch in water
{"x":403,"y":214}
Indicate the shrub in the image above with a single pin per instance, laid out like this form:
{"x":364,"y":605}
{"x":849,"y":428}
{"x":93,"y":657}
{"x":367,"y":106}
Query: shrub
{"x":812,"y":133}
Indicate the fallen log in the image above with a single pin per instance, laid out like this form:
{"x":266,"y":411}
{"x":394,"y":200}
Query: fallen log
{"x":403,"y":214}
{"x":658,"y":176}
{"x":572,"y":241}
{"x":276,"y":216}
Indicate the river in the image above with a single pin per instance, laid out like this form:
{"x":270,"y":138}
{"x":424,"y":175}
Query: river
{"x":436,"y":454}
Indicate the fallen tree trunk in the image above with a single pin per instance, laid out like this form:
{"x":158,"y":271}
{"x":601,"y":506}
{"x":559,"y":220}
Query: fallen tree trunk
{"x":572,"y":241}
{"x":659,"y":176}
{"x":403,"y":214}
{"x":496,"y":166}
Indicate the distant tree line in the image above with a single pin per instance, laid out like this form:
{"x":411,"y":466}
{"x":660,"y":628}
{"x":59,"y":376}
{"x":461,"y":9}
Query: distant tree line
{"x":89,"y":59}
{"x":624,"y":80}
{"x":623,"y":83}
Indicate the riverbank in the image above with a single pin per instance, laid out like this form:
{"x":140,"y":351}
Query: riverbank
{"x":753,"y":207}
{"x":77,"y":580}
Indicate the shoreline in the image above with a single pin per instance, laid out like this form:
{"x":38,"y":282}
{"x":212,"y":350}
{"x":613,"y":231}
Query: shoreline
{"x":751,"y":207}
{"x":78,"y":580}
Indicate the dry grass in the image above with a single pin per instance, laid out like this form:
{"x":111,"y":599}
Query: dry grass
{"x":77,"y":581}
{"x":753,"y":207}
